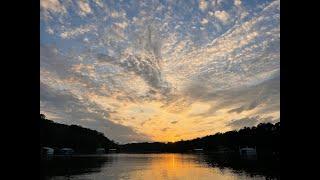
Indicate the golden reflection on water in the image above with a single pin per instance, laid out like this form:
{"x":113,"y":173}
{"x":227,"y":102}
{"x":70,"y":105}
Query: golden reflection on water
{"x":157,"y":167}
{"x":177,"y":166}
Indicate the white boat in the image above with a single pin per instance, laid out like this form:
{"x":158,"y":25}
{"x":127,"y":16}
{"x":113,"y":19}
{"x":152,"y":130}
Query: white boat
{"x":47,"y":151}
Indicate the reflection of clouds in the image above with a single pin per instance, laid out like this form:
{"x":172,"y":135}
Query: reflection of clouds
{"x":165,"y":56}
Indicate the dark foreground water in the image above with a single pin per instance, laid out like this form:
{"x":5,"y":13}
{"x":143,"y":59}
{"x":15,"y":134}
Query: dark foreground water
{"x":157,"y":166}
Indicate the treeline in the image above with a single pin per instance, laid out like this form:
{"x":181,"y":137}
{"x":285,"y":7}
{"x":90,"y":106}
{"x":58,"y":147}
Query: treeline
{"x":265,"y":137}
{"x":82,"y":140}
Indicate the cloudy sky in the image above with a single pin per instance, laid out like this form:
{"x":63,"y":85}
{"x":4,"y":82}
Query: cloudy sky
{"x":160,"y":70}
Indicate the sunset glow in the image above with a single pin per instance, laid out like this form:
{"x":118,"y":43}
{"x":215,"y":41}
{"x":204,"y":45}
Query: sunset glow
{"x":160,"y":70}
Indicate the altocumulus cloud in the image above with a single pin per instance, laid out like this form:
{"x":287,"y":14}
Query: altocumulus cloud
{"x":131,"y":69}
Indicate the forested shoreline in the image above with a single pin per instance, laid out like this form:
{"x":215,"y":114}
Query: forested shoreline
{"x":265,"y":137}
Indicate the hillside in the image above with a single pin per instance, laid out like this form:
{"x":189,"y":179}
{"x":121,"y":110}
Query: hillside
{"x":82,"y":140}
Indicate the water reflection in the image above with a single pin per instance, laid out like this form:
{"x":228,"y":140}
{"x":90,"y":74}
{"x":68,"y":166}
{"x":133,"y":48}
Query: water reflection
{"x":155,"y":166}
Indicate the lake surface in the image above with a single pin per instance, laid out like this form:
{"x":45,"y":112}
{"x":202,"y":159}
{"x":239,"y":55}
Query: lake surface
{"x":155,"y":166}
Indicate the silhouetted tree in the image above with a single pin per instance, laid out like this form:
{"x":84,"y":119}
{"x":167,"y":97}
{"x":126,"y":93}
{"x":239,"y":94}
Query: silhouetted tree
{"x":82,"y":140}
{"x":265,"y":137}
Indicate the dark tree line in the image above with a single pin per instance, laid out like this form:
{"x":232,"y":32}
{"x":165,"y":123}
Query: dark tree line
{"x":265,"y":137}
{"x":82,"y":140}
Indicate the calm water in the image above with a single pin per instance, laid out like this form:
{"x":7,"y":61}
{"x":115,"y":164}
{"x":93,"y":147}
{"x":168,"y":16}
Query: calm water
{"x":154,"y":167}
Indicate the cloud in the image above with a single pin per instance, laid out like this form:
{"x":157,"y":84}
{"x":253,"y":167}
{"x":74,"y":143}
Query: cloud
{"x":144,"y":67}
{"x":248,"y":122}
{"x":84,"y":8}
{"x":124,"y":60}
{"x":71,"y":110}
{"x":144,"y":62}
{"x":267,"y":92}
{"x":53,"y":6}
{"x":263,"y":98}
{"x":72,"y":33}
{"x":203,"y":5}
{"x":50,"y":31}
{"x":204,"y":21}
{"x":51,"y":59}
{"x":237,"y":2}
{"x":222,"y":16}
{"x":122,"y":25}
{"x":237,"y":57}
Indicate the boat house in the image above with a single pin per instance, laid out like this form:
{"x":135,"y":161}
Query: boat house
{"x":112,"y":150}
{"x":198,"y":150}
{"x":100,"y":151}
{"x":66,"y":151}
{"x":248,"y":152}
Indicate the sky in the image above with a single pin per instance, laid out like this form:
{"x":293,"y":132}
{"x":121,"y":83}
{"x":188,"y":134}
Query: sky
{"x":160,"y":70}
